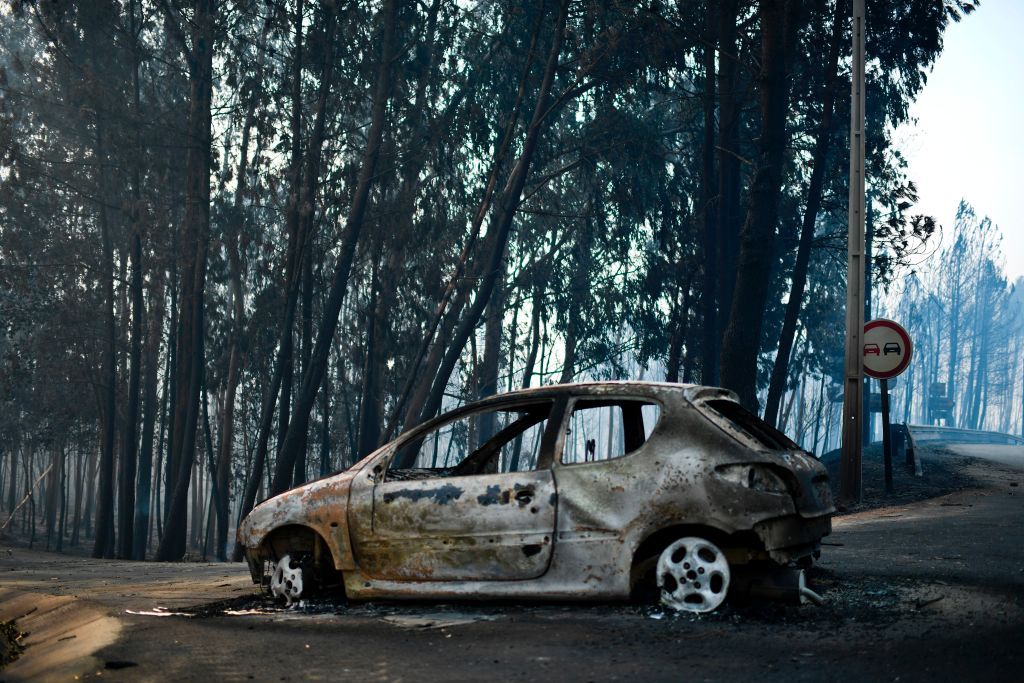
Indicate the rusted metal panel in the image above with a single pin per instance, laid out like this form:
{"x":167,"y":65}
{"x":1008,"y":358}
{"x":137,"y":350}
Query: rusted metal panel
{"x":483,"y":527}
{"x":318,"y":506}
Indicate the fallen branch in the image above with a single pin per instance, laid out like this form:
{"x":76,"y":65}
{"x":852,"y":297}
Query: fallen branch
{"x":27,"y":497}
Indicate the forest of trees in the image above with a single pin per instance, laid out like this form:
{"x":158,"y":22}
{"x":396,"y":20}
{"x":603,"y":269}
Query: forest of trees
{"x":970,"y":321}
{"x":967,"y":323}
{"x":243,"y":243}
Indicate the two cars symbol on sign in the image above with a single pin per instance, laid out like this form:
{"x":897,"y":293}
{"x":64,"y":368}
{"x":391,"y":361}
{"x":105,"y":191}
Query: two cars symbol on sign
{"x":887,"y":349}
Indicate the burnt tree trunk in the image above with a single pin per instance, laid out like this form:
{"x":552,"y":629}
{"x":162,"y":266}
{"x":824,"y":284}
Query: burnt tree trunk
{"x":822,"y":145}
{"x":369,"y":399}
{"x":504,"y":214}
{"x":104,"y":542}
{"x":710,"y":338}
{"x":301,"y":218}
{"x":313,"y":375}
{"x":191,"y":300}
{"x":150,"y":407}
{"x":296,"y":239}
{"x":227,"y":430}
{"x":742,"y":340}
{"x":729,"y":180}
{"x":130,"y":445}
{"x":130,"y":452}
{"x":487,"y":384}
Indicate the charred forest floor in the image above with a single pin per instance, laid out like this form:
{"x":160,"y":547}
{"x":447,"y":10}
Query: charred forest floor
{"x":944,"y":472}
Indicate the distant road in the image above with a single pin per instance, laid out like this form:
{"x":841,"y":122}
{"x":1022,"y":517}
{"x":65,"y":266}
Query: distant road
{"x":954,"y":435}
{"x":1000,"y":453}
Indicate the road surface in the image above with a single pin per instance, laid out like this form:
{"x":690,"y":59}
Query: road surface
{"x":932,"y":590}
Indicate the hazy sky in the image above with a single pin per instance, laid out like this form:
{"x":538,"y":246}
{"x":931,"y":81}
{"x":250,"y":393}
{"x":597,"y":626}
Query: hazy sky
{"x":968,"y":140}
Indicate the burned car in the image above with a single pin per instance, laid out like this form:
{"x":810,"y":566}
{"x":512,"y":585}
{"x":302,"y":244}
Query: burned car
{"x":605,"y":490}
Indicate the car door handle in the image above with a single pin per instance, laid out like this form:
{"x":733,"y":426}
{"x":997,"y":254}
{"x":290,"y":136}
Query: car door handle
{"x":524,"y":496}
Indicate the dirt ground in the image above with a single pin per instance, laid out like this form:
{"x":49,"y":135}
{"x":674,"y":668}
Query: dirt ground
{"x":925,"y":585}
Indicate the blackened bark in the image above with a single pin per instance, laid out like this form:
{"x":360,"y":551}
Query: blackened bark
{"x":104,"y":542}
{"x":130,"y":446}
{"x":822,"y":145}
{"x":675,"y":344}
{"x":53,"y":491}
{"x":150,"y":407}
{"x":369,"y":405}
{"x":742,"y":340}
{"x":170,"y":397}
{"x":488,"y":368}
{"x":300,"y":216}
{"x":492,"y":342}
{"x":130,"y":453}
{"x":313,"y":375}
{"x":90,"y":491}
{"x":191,"y":315}
{"x":433,"y":361}
{"x":710,"y":338}
{"x":325,"y":427}
{"x":579,"y":290}
{"x":296,"y":239}
{"x":501,"y":224}
{"x":12,"y":478}
{"x":535,"y":317}
{"x":227,"y":430}
{"x":729,"y":181}
{"x":680,"y":329}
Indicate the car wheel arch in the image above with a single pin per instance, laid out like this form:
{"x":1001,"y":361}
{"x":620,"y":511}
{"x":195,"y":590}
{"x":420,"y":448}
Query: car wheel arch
{"x":301,"y":539}
{"x":647,"y":550}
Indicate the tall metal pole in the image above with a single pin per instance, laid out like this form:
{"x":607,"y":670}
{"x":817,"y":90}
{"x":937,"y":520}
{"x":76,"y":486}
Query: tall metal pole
{"x":850,"y":482}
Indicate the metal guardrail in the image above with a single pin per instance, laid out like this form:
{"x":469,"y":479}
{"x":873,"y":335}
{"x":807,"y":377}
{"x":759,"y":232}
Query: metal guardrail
{"x":956,"y":435}
{"x":910,"y":452}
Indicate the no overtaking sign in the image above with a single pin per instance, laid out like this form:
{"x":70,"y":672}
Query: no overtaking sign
{"x":887,"y":349}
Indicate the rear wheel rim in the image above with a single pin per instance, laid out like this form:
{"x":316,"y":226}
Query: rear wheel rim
{"x":693,"y":575}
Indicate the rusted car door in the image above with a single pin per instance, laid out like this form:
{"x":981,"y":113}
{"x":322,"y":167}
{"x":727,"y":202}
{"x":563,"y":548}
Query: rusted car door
{"x":441,"y":526}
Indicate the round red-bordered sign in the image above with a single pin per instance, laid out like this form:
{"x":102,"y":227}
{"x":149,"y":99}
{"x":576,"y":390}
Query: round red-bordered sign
{"x":887,"y":349}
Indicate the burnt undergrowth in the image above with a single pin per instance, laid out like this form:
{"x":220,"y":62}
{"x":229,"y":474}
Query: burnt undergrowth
{"x":943,"y":472}
{"x":10,"y":642}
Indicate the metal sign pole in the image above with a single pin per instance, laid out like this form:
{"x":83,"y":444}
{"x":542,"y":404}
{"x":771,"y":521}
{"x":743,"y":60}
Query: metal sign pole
{"x":886,"y":436}
{"x":850,"y":489}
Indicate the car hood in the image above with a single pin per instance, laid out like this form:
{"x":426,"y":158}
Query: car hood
{"x":318,"y":504}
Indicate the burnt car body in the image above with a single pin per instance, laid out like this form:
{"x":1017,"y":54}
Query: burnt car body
{"x":573,"y":491}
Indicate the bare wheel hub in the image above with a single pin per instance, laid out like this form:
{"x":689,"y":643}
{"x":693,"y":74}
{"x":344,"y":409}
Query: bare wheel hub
{"x":693,"y":575}
{"x":286,"y":581}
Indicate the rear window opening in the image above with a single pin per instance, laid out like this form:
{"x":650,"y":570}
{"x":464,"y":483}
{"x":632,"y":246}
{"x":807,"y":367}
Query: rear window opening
{"x":754,"y":427}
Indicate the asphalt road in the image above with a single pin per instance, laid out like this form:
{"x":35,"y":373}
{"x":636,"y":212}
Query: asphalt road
{"x":932,"y":590}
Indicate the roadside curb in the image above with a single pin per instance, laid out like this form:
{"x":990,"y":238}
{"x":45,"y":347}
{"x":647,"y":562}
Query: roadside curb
{"x":63,"y":633}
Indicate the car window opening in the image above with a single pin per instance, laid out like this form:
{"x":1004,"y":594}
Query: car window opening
{"x":603,"y":430}
{"x":751,"y":425}
{"x":486,"y":442}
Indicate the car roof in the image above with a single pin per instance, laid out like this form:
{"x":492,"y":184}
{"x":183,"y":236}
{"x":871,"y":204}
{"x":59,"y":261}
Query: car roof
{"x":690,"y":392}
